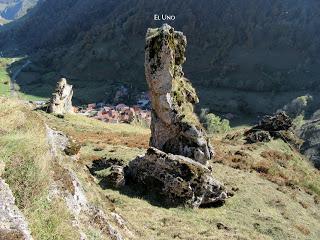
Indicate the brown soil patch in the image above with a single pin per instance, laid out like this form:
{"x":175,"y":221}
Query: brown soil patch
{"x":303,"y":229}
{"x":62,"y":176}
{"x":133,"y":141}
{"x":275,"y":155}
{"x":11,"y":235}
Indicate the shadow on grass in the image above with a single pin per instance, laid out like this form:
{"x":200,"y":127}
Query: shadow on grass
{"x":132,"y":189}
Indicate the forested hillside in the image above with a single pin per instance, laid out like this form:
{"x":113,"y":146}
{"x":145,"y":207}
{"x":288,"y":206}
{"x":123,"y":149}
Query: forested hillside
{"x":241,"y":54}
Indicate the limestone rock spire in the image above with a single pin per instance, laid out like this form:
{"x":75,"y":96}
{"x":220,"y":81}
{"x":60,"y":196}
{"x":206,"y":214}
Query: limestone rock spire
{"x":174,"y":128}
{"x":61,"y":100}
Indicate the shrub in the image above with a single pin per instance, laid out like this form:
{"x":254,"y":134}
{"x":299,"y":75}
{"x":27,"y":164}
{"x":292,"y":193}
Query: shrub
{"x":213,"y":123}
{"x":140,"y":122}
{"x":297,"y":106}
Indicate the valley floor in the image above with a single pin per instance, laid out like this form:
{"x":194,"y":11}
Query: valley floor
{"x":276,"y":191}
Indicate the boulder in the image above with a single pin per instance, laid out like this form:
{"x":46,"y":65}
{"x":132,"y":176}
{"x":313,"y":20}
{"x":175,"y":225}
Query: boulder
{"x":310,"y":133}
{"x":61,"y":100}
{"x":258,"y":136}
{"x":109,"y":171}
{"x":174,"y":127}
{"x":279,"y":122}
{"x":277,"y":126}
{"x":180,"y":179}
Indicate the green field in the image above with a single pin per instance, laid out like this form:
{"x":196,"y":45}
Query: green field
{"x":5,"y":63}
{"x":4,"y":76}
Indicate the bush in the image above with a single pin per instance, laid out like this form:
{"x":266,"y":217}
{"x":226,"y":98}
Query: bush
{"x":213,"y":123}
{"x":297,"y":106}
{"x":140,"y":122}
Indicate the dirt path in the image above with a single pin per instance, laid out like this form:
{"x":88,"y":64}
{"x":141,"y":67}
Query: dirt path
{"x":15,"y":75}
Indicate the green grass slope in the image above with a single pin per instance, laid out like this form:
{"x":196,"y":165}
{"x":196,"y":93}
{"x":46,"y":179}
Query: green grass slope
{"x":28,"y":170}
{"x":276,"y":191}
{"x":272,"y":184}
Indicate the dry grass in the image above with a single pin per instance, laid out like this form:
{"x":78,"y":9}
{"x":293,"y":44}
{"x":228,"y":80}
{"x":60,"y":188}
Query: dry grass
{"x":275,"y":161}
{"x":12,"y":235}
{"x":261,"y":207}
{"x":86,"y":130}
{"x":25,"y":152}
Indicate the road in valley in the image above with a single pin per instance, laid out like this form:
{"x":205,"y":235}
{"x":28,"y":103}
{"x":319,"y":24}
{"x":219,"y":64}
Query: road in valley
{"x":15,"y":75}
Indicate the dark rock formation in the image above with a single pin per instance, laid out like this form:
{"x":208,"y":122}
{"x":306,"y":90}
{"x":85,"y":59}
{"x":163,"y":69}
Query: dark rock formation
{"x":258,"y":136}
{"x":61,"y":100}
{"x":113,"y":175}
{"x":277,"y":126}
{"x":180,"y":179}
{"x":174,"y":128}
{"x":279,"y":122}
{"x":310,"y":133}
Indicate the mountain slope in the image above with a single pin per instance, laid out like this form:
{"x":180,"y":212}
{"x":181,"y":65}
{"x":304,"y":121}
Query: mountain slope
{"x":14,"y":9}
{"x":243,"y":56}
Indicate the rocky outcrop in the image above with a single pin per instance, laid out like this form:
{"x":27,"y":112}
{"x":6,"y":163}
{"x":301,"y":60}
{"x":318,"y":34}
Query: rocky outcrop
{"x":68,"y":187}
{"x":258,"y":136}
{"x":180,"y":179}
{"x":279,"y":122}
{"x":310,"y":133}
{"x":114,"y":174}
{"x":174,"y":128}
{"x":12,"y":223}
{"x":277,"y":126}
{"x":175,"y":164}
{"x":61,"y":100}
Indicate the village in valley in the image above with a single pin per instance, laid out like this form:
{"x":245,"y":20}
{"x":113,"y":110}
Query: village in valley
{"x":119,"y":112}
{"x":116,"y":112}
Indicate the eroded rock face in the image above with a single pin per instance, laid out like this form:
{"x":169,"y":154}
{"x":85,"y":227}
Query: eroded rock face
{"x":61,"y":100}
{"x":174,"y":128}
{"x":279,"y":122}
{"x":276,"y":126}
{"x":12,"y":223}
{"x":310,"y":133}
{"x":181,"y":179}
{"x":258,"y":136}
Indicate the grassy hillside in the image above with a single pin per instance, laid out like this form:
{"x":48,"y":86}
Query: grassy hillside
{"x":28,"y":170}
{"x":4,"y":77}
{"x":8,"y":66}
{"x":271,"y":182}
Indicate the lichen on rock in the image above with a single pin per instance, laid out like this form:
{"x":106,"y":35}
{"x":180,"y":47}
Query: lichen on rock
{"x":175,"y":128}
{"x":180,"y":179}
{"x":61,"y":100}
{"x":13,"y":224}
{"x":175,"y":164}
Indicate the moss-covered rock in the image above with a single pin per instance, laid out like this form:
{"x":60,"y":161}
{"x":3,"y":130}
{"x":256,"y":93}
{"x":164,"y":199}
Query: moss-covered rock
{"x":181,"y":180}
{"x":173,"y":97}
